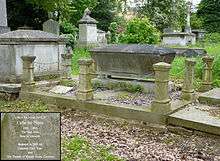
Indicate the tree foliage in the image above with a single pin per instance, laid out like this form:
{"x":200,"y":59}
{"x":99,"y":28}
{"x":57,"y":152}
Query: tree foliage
{"x":34,"y":12}
{"x":104,"y":13}
{"x":140,"y":30}
{"x":21,"y":13}
{"x":196,"y":22}
{"x":209,"y":12}
{"x":80,"y":6}
{"x":165,"y":13}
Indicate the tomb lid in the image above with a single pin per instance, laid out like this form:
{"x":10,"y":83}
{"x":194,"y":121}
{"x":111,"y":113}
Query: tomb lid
{"x":133,"y":49}
{"x":30,"y":36}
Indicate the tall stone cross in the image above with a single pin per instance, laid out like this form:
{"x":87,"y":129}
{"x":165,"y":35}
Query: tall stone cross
{"x":188,"y":25}
{"x":3,"y":17}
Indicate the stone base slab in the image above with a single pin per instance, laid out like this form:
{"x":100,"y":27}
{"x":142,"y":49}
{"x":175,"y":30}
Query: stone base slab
{"x":193,"y":118}
{"x":130,"y":112}
{"x":10,"y":88}
{"x":196,"y":119}
{"x":211,"y":97}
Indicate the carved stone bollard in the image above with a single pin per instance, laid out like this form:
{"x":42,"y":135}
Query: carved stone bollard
{"x":85,"y":91}
{"x":207,"y":75}
{"x":161,"y":104}
{"x":67,"y":65}
{"x":188,"y":92}
{"x":28,"y":83}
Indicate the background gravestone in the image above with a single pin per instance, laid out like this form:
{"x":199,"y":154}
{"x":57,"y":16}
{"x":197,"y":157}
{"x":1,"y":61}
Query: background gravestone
{"x":3,"y":17}
{"x":51,"y":26}
{"x":30,"y":136}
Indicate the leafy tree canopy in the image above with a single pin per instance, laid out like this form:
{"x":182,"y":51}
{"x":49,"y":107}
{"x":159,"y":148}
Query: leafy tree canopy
{"x":209,"y":12}
{"x":165,"y":13}
{"x":140,"y":30}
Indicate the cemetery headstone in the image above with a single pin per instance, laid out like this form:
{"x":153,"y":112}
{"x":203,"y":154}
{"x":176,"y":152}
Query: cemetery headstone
{"x":51,"y":26}
{"x":30,"y":136}
{"x":3,"y":17}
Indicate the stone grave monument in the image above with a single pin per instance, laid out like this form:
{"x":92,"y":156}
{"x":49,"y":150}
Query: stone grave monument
{"x":47,"y":48}
{"x":30,"y":136}
{"x":133,"y":61}
{"x":87,"y":30}
{"x":3,"y":17}
{"x":181,"y":38}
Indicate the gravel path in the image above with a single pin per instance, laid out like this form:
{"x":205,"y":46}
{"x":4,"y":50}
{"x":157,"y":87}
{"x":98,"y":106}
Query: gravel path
{"x":139,"y":99}
{"x":135,"y":142}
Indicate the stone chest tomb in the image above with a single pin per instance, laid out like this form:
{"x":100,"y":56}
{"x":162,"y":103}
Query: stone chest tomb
{"x":45,"y":46}
{"x":130,"y":61}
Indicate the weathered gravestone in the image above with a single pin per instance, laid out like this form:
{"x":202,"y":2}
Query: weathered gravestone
{"x":51,"y":26}
{"x":3,"y":17}
{"x":30,"y":136}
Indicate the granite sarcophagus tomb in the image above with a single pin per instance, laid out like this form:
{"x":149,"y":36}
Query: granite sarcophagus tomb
{"x":130,"y":61}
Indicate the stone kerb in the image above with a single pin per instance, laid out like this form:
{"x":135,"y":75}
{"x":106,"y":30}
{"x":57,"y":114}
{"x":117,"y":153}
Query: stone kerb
{"x":188,"y":92}
{"x":207,"y":74}
{"x":161,"y":104}
{"x":28,"y":83}
{"x":85,"y":91}
{"x":67,"y":65}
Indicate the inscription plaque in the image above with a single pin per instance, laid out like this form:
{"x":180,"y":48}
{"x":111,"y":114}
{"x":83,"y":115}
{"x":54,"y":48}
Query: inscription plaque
{"x":30,"y":136}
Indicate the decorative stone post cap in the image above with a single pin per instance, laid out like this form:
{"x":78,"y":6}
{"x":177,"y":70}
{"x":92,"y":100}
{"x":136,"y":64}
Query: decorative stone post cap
{"x":85,"y":61}
{"x":208,"y":58}
{"x":190,"y":61}
{"x":28,"y":58}
{"x":86,"y":19}
{"x":162,"y":66}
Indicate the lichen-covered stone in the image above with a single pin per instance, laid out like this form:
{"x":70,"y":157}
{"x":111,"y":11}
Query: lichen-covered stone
{"x":161,"y":104}
{"x":85,"y":91}
{"x":207,"y":74}
{"x":188,"y":92}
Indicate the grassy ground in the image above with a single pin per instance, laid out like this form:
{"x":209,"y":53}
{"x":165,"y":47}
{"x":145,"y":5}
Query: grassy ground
{"x":76,"y":148}
{"x":177,"y":71}
{"x":78,"y":54}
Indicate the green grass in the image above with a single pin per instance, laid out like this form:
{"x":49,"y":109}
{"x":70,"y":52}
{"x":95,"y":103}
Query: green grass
{"x":78,"y":148}
{"x":178,"y":65}
{"x":78,"y":54}
{"x":22,"y":106}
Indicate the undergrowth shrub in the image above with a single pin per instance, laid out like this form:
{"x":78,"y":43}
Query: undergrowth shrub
{"x":78,"y":53}
{"x":140,"y":31}
{"x":212,"y":38}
